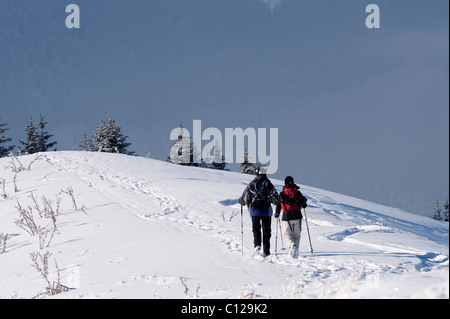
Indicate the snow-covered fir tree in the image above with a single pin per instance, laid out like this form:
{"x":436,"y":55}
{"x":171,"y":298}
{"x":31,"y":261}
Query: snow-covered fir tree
{"x":247,"y":166}
{"x":109,"y":138}
{"x":446,"y":217}
{"x":86,"y":142}
{"x":31,"y":144}
{"x":4,"y":150}
{"x":437,"y":214}
{"x":37,"y":140}
{"x":217,"y":161}
{"x":43,"y":137}
{"x":183,"y":151}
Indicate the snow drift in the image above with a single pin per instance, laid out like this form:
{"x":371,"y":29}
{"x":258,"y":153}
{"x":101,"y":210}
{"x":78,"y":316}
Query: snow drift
{"x":141,"y":228}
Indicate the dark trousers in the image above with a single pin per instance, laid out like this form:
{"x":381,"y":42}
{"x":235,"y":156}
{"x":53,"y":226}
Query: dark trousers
{"x":265,"y":223}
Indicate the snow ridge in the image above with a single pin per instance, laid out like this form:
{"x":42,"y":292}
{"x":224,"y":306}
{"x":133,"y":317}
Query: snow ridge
{"x":159,"y":230}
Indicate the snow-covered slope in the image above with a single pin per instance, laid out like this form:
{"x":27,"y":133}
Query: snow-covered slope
{"x":156,"y":230}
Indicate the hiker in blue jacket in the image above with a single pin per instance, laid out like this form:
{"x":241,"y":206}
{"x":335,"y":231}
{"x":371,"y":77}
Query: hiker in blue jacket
{"x":258,"y":196}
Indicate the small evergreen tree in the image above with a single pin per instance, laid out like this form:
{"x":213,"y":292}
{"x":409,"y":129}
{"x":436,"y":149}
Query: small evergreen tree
{"x":4,"y":151}
{"x":446,"y":218}
{"x":247,"y":167}
{"x":109,"y":138}
{"x":31,"y":144}
{"x":44,"y":137}
{"x":437,"y":212}
{"x":179,"y":155}
{"x":219,"y":159}
{"x":37,"y":140}
{"x":86,"y":143}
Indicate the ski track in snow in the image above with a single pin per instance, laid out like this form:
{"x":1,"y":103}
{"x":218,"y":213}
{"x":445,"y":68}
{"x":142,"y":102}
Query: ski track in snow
{"x":102,"y":182}
{"x":169,"y":209}
{"x":153,"y":204}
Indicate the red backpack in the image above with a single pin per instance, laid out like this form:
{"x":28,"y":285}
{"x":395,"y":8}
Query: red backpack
{"x":288,"y":200}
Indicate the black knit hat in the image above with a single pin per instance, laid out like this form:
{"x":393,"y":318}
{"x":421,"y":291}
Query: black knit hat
{"x":288,"y":180}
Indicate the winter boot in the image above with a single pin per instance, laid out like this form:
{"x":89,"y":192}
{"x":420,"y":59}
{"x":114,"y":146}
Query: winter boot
{"x":294,"y":251}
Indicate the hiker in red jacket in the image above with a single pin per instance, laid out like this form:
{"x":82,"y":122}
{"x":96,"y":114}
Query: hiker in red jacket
{"x":291,"y":202}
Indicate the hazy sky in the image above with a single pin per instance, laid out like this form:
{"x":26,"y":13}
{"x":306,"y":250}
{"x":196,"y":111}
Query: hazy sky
{"x":360,"y":111}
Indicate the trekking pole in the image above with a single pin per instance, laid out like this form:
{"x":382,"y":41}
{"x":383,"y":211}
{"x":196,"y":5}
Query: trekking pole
{"x":276,"y":238}
{"x":309,"y":236}
{"x":281,"y":236}
{"x":242,"y":231}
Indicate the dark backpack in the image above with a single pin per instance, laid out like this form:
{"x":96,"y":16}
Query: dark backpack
{"x":259,"y":194}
